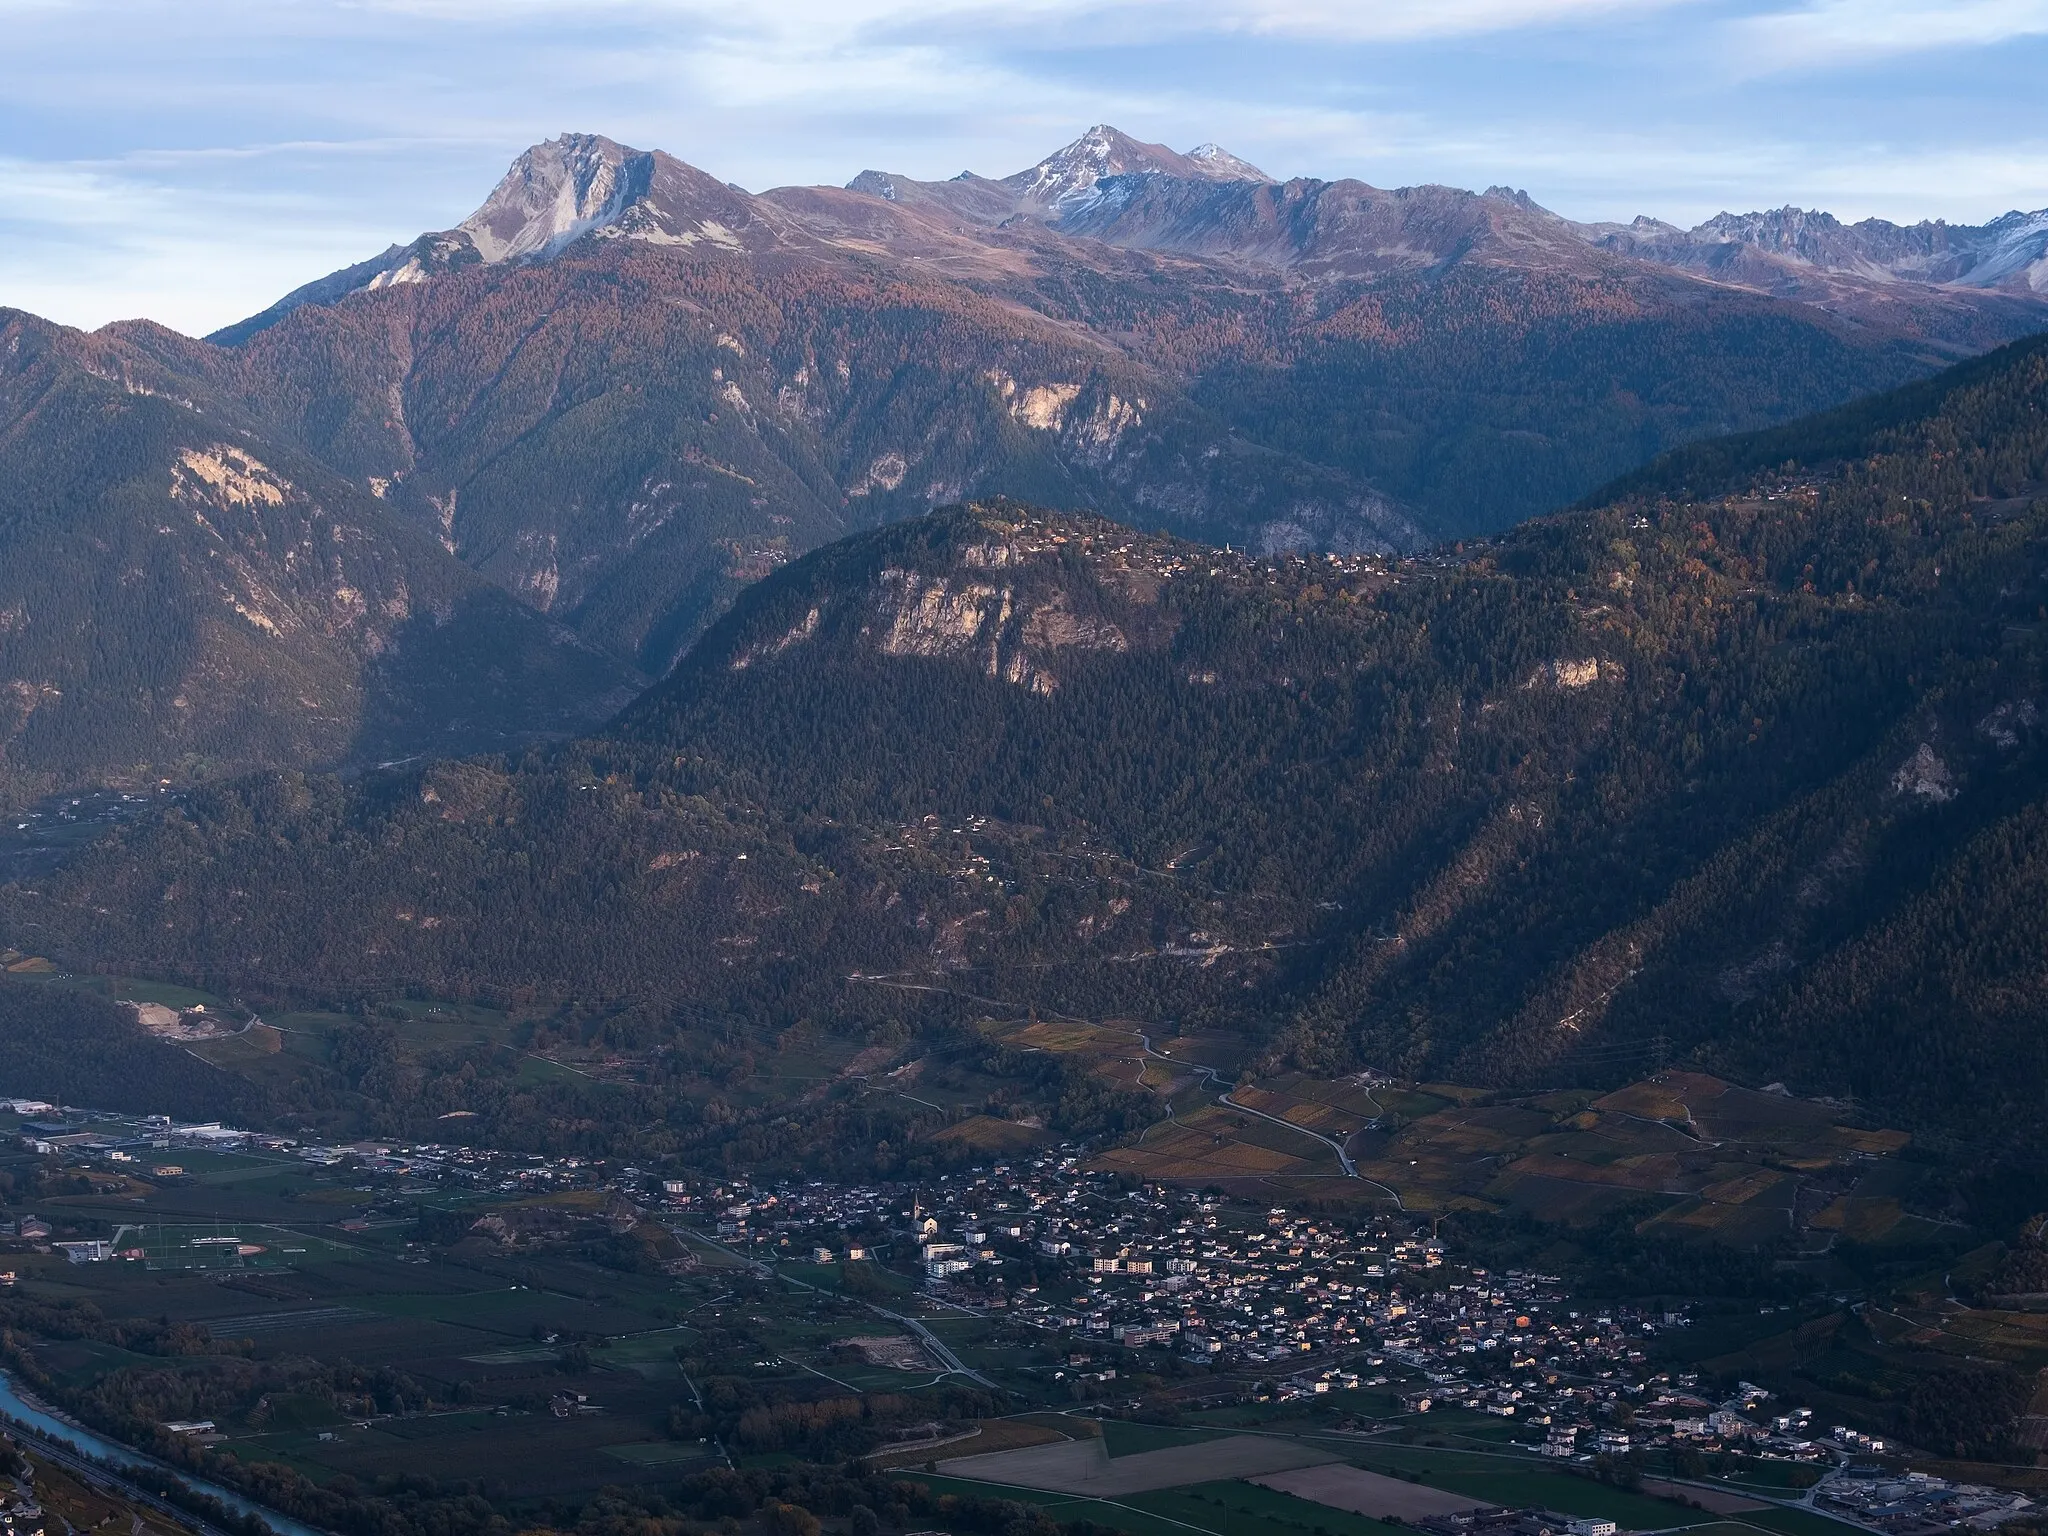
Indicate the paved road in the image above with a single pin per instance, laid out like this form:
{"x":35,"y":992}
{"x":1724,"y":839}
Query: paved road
{"x":1343,"y":1157}
{"x":932,"y":1342}
{"x":1210,"y":1080}
{"x":940,"y":1352}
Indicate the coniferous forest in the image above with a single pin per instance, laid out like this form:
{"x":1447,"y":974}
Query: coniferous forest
{"x":1739,"y":766}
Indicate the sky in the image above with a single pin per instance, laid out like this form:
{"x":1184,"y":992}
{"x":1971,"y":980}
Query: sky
{"x":191,"y":160}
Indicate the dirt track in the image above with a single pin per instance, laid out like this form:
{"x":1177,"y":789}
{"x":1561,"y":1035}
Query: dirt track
{"x":1086,"y":1467}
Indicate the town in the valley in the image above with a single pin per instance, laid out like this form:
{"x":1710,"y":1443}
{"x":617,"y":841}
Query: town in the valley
{"x":1117,"y":1299}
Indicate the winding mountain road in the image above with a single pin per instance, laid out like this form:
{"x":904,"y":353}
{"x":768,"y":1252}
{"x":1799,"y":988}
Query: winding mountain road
{"x":1211,"y":1079}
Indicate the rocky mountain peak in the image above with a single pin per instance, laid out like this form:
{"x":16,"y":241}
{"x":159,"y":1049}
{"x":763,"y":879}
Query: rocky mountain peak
{"x":1788,"y":231}
{"x":556,"y":192}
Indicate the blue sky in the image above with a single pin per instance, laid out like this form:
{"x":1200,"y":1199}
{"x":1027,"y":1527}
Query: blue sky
{"x":189,"y":160}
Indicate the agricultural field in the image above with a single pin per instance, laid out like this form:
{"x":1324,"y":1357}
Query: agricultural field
{"x":1307,"y":1480}
{"x":1214,"y":1144}
{"x":1713,"y":1159}
{"x":1086,"y":1467}
{"x":1514,"y":1482}
{"x":530,"y":1375}
{"x":1115,"y":1051}
{"x":1951,"y":1327}
{"x":1708,"y":1158}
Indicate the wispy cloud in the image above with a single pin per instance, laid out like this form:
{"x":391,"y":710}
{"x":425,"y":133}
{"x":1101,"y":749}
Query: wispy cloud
{"x":88,"y":244}
{"x":815,"y":21}
{"x":1832,"y":33}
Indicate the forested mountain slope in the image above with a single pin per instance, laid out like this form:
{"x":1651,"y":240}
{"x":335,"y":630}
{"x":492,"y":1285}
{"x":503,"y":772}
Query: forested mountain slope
{"x":622,"y":391}
{"x":626,"y":435}
{"x":181,"y":599}
{"x":622,"y":388}
{"x":1752,"y":778}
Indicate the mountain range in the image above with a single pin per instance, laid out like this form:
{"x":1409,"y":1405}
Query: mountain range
{"x":1742,"y":765}
{"x":1108,"y":187}
{"x":622,"y":390}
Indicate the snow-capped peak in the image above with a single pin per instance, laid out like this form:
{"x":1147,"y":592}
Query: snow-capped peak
{"x":1066,"y":179}
{"x":1214,"y":160}
{"x":2016,"y":254}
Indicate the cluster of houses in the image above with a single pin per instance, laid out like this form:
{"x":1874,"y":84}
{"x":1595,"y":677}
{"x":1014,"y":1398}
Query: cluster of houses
{"x":1315,"y":1304}
{"x":20,"y":1513}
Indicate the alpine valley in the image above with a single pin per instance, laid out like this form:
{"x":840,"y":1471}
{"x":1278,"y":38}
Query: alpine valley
{"x":1128,"y":850}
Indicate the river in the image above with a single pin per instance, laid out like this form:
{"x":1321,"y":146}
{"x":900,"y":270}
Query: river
{"x":84,"y":1441}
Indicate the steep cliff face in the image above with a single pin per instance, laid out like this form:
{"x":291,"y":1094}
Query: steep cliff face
{"x":1015,"y":592}
{"x":625,"y":435}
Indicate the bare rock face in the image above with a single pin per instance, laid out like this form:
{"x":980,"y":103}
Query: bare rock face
{"x":1000,"y":589}
{"x":1925,"y":777}
{"x":1068,"y":179}
{"x":1014,"y":638}
{"x":556,"y":192}
{"x":1786,"y":245}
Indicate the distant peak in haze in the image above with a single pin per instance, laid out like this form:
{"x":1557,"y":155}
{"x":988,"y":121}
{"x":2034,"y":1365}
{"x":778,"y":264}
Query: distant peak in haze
{"x":1219,"y":162}
{"x":2008,"y":253}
